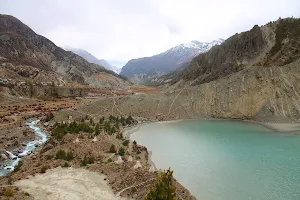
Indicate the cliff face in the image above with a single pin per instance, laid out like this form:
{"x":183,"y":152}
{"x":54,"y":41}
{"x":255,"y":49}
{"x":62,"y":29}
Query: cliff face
{"x":21,"y":47}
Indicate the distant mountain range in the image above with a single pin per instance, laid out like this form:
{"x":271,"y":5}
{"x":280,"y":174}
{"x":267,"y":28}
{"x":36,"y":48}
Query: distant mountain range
{"x":92,"y":59}
{"x":143,"y":69}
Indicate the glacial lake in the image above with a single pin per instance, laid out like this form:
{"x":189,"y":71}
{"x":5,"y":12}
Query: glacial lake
{"x":226,"y":160}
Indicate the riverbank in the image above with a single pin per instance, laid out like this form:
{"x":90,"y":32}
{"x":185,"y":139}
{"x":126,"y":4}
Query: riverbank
{"x":129,"y":175}
{"x":28,"y":148}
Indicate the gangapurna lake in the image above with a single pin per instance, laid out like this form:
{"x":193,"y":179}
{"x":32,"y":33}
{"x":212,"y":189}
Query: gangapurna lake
{"x":226,"y":160}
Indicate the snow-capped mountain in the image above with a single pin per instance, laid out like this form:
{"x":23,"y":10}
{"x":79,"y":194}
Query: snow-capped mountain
{"x":92,"y":59}
{"x":174,"y":58}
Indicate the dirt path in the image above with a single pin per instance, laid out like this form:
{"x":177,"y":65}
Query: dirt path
{"x":67,"y":184}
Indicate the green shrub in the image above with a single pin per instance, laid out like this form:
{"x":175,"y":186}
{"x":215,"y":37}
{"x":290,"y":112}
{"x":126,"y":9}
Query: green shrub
{"x":26,"y":194}
{"x":18,"y":166}
{"x":87,"y":160}
{"x":9,"y":192}
{"x":125,"y":143}
{"x":61,"y":154}
{"x":134,"y":142}
{"x":65,"y":165}
{"x":109,"y":160}
{"x":133,"y":189}
{"x":112,"y":149}
{"x":49,"y":117}
{"x":121,"y":151}
{"x":164,"y":188}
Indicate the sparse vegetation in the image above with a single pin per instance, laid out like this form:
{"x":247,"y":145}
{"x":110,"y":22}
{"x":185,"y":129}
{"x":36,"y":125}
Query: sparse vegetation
{"x":164,"y":188}
{"x":112,"y":149}
{"x":87,"y":160}
{"x":49,"y":117}
{"x":121,"y":151}
{"x":61,"y":154}
{"x":9,"y":192}
{"x":66,"y":164}
{"x":125,"y":142}
{"x":18,"y":166}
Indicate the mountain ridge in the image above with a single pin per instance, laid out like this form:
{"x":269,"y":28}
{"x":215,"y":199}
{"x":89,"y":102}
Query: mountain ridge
{"x":93,"y":59}
{"x":143,"y":69}
{"x":31,"y":57}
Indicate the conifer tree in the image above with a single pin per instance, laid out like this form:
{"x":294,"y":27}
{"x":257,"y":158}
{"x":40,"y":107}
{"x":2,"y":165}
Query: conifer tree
{"x":164,"y":188}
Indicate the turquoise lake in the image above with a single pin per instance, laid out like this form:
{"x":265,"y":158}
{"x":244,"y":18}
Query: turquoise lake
{"x":226,"y":160}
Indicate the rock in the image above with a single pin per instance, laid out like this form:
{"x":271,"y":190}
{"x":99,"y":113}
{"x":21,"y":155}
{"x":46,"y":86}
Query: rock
{"x":77,"y":140}
{"x":152,"y":169}
{"x":137,"y":165}
{"x":95,"y":139}
{"x":130,"y":159}
{"x":119,"y":161}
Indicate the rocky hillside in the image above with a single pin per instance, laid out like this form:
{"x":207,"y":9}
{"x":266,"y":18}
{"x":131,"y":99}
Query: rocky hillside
{"x":27,"y":56}
{"x":253,"y":75}
{"x":144,"y":69}
{"x":92,"y":59}
{"x":275,"y":44}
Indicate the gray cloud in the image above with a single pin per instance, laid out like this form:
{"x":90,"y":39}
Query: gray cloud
{"x":119,"y":30}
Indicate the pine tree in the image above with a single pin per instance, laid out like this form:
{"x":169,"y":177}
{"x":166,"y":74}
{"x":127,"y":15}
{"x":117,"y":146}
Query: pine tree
{"x":164,"y":188}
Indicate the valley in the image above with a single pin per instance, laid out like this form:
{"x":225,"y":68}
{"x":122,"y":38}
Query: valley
{"x":89,"y":111}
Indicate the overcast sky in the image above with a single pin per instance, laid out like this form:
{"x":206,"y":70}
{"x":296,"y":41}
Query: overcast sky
{"x":120,"y":30}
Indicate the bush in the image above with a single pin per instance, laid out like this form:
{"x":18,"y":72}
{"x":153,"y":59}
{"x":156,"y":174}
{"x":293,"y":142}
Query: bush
{"x":8,"y":192}
{"x":164,"y":188}
{"x":112,"y":149}
{"x":49,"y":117}
{"x":97,"y":131}
{"x":61,"y":154}
{"x":87,"y":160}
{"x":134,"y":142}
{"x":26,"y":194}
{"x":43,"y":169}
{"x":65,"y":165}
{"x":133,"y":189}
{"x":109,"y":160}
{"x":121,"y":151}
{"x":125,"y":143}
{"x":18,"y":166}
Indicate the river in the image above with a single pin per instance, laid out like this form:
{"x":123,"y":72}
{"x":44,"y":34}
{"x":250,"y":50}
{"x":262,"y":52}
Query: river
{"x":30,"y":147}
{"x":226,"y":160}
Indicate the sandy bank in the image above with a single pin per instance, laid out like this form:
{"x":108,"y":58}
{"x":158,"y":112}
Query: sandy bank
{"x":67,"y":184}
{"x":284,"y":127}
